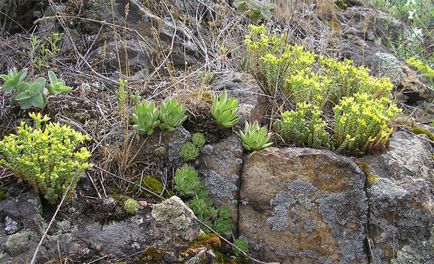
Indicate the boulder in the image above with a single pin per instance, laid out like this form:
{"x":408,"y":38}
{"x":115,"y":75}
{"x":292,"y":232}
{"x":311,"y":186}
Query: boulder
{"x":401,"y":200}
{"x":301,"y":205}
{"x":244,"y":87}
{"x":220,"y":169}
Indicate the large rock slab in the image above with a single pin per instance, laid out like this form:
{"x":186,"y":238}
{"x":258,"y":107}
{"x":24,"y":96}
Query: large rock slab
{"x":302,"y":205}
{"x":401,"y":201}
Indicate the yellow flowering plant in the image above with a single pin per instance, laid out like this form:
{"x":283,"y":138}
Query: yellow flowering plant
{"x":46,"y":157}
{"x":362,"y":124}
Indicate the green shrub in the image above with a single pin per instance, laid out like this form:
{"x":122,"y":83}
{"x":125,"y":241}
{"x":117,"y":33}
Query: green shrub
{"x":45,"y":157}
{"x":145,"y":118}
{"x":189,"y":151}
{"x":304,"y":127}
{"x":131,"y":206}
{"x":362,"y":124}
{"x":255,"y":137}
{"x":198,"y":139}
{"x":225,"y":110}
{"x":32,"y":93}
{"x":172,"y":114}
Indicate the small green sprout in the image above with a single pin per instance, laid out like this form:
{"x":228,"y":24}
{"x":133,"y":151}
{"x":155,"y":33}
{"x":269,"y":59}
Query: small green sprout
{"x":198,"y":139}
{"x":131,"y":206}
{"x":56,"y":85}
{"x":255,"y":137}
{"x":189,"y":151}
{"x":145,"y":118}
{"x":225,"y":110}
{"x":172,"y":114}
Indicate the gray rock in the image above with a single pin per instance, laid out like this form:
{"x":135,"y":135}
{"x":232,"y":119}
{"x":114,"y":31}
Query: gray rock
{"x":117,"y":54}
{"x":387,"y":65}
{"x":401,"y":200}
{"x":220,"y":169}
{"x":173,"y":216}
{"x":11,"y":226}
{"x":303,"y":206}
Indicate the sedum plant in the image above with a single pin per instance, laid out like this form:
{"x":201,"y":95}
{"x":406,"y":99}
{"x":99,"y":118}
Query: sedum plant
{"x":145,"y":118}
{"x":189,"y":151}
{"x":304,"y":127}
{"x":172,"y":114}
{"x":255,"y":137}
{"x":131,"y":206}
{"x":225,"y":110}
{"x":362,"y":124}
{"x":32,"y":93}
{"x":46,"y":157}
{"x":198,"y":139}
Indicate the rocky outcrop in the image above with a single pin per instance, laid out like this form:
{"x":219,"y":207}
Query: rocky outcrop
{"x":220,"y":169}
{"x":302,"y":205}
{"x":167,"y":229}
{"x":401,"y":215}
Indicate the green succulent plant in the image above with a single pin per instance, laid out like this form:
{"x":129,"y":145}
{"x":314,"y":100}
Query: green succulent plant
{"x":46,"y":157}
{"x":189,"y":151}
{"x":131,"y":206}
{"x":242,"y":244}
{"x":32,"y":93}
{"x":172,"y":115}
{"x":255,"y":137}
{"x":12,"y":79}
{"x":56,"y":85}
{"x":225,"y":110}
{"x":145,"y":118}
{"x":187,"y":180}
{"x":198,"y":139}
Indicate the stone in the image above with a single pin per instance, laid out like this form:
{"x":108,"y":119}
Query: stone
{"x":401,"y":215}
{"x":166,"y":143}
{"x":173,"y":216}
{"x":387,"y":65}
{"x":301,"y":205}
{"x":244,"y":87}
{"x":220,"y":169}
{"x":119,"y":53}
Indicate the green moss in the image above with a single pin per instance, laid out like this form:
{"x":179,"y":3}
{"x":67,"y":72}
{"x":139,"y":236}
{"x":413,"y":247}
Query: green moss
{"x":153,"y":183}
{"x":210,"y":241}
{"x":372,"y":179}
{"x":423,"y":131}
{"x":2,"y":194}
{"x":150,"y":255}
